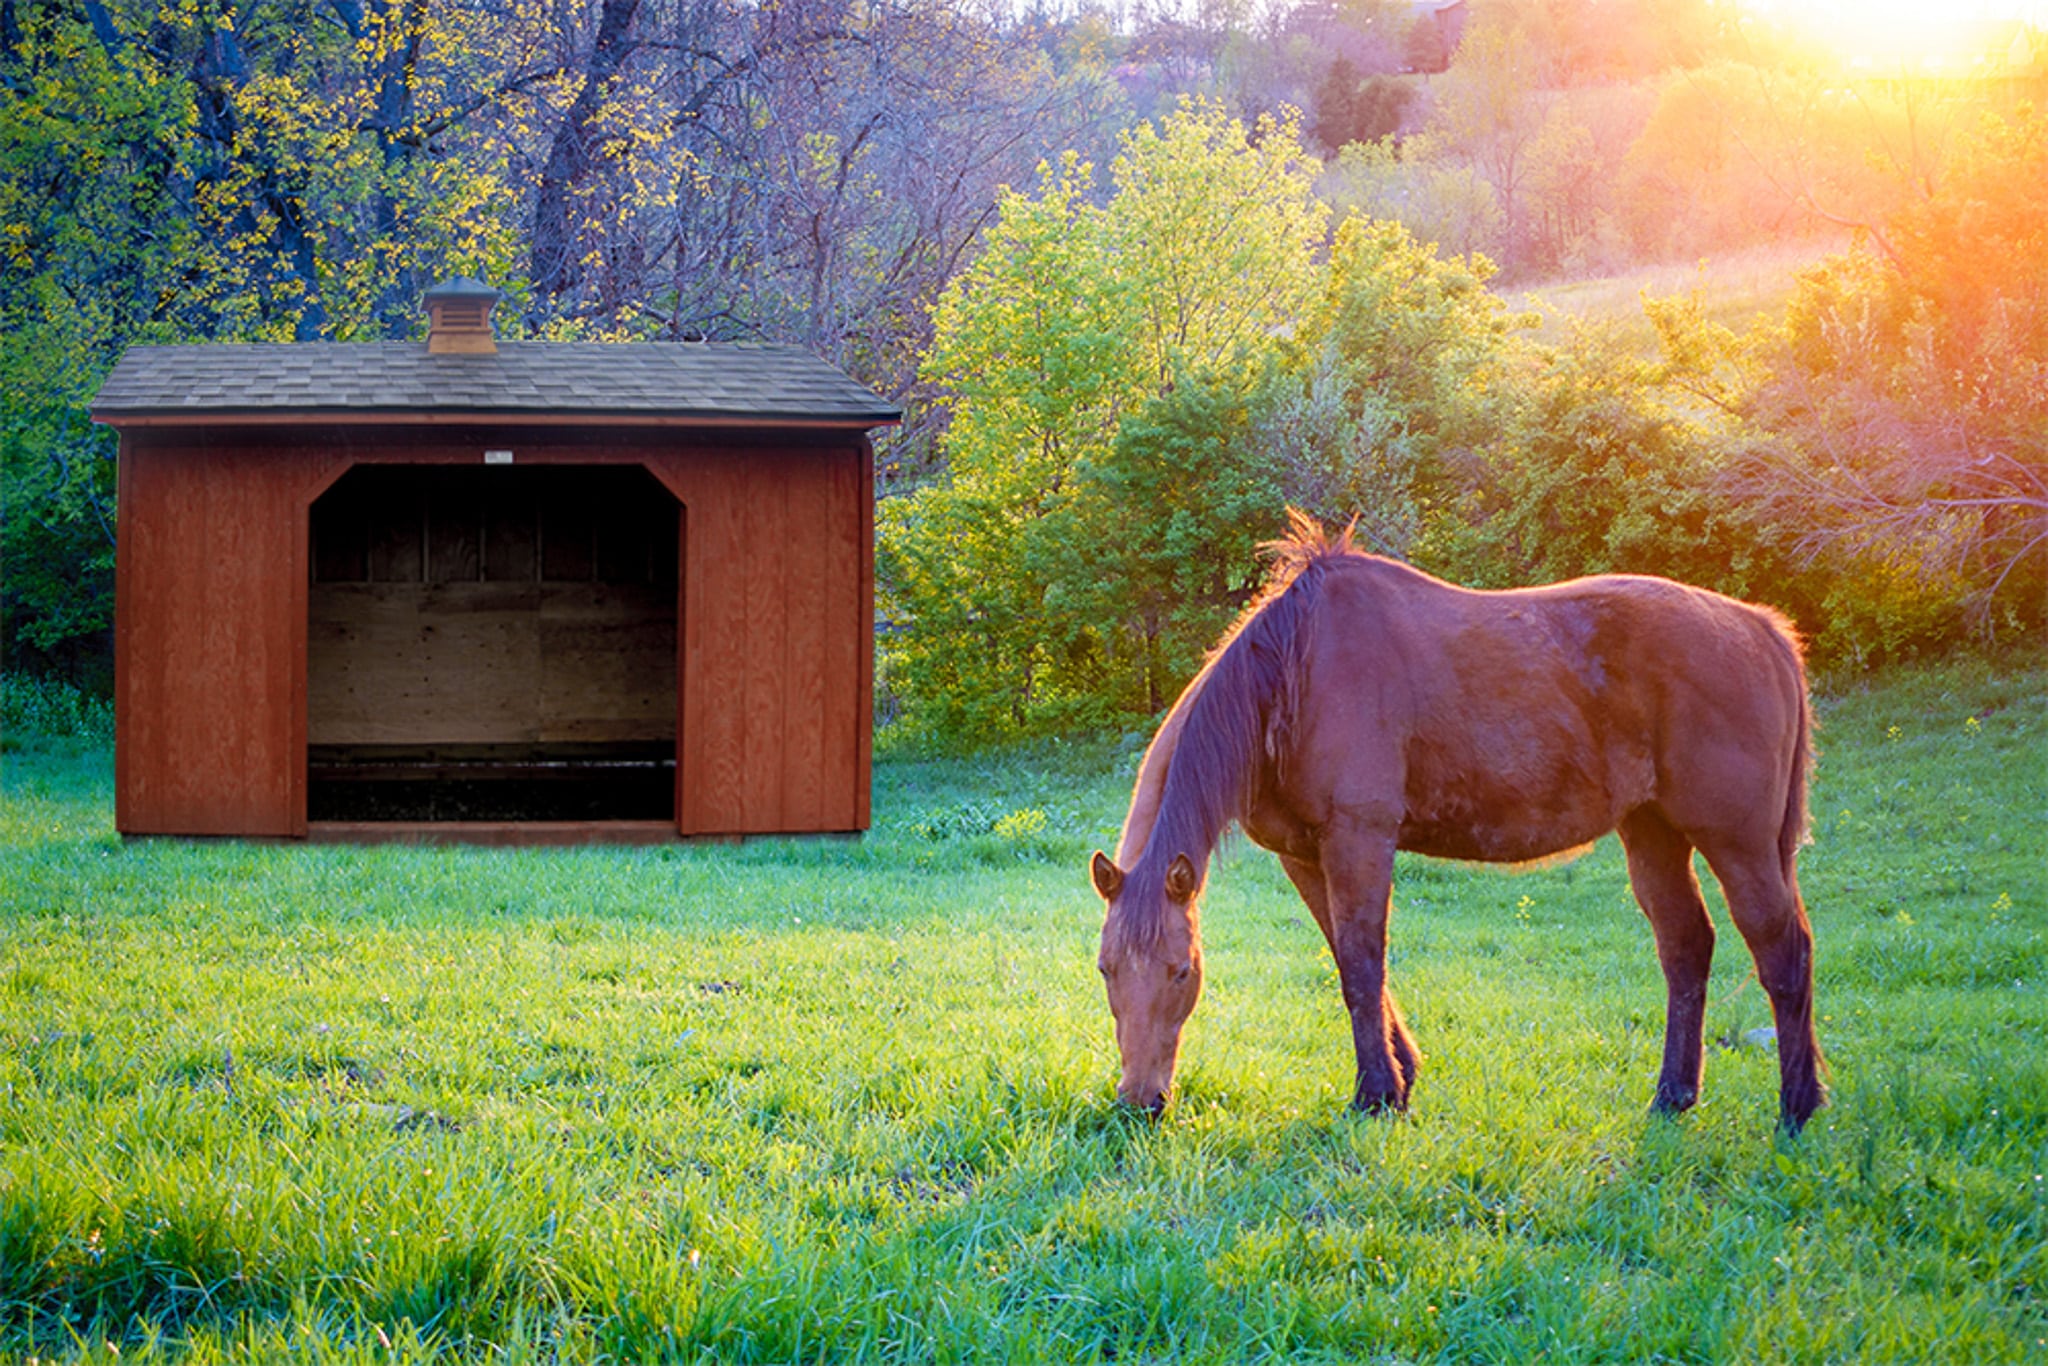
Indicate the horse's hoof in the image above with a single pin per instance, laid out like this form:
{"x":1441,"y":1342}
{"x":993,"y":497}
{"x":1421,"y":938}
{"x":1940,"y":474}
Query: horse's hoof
{"x":1389,"y":1104}
{"x":1803,"y":1104}
{"x":1790,"y":1122}
{"x":1673,"y":1100}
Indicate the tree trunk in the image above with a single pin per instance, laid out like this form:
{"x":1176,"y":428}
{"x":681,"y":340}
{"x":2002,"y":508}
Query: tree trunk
{"x":553,"y":263}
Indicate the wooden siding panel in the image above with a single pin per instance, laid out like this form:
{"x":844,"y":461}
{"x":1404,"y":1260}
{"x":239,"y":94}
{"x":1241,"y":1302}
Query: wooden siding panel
{"x":213,"y":553}
{"x":718,"y":542}
{"x":846,"y":537}
{"x":837,"y":682}
{"x":765,"y":583}
{"x":863,"y":463}
{"x":808,"y":612}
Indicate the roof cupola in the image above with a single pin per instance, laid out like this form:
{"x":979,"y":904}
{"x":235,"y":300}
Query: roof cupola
{"x":459,"y":318}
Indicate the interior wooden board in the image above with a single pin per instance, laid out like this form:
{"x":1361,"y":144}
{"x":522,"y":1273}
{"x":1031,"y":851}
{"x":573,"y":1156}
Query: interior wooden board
{"x":607,"y":662}
{"x":489,"y":663}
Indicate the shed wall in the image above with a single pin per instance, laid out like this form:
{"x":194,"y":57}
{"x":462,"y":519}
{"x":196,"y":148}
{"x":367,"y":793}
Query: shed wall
{"x":775,"y":640}
{"x":209,"y":635}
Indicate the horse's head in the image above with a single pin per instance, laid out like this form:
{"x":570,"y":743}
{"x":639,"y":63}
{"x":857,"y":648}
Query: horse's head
{"x":1151,"y":962}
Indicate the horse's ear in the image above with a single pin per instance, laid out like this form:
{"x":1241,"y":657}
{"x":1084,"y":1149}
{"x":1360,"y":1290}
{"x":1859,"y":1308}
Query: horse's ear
{"x":1182,"y":882}
{"x":1109,"y":879}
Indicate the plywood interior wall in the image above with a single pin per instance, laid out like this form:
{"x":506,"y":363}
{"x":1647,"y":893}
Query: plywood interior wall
{"x":484,"y":605}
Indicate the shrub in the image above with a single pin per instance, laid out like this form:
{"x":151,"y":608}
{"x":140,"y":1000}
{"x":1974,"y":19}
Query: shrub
{"x":43,"y":708}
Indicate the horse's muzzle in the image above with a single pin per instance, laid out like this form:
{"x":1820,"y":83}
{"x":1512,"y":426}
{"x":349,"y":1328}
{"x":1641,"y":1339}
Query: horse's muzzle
{"x":1153,"y":1104}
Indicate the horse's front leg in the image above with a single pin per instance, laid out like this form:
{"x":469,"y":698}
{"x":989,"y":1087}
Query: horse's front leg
{"x":1307,"y":877}
{"x":1358,"y":875}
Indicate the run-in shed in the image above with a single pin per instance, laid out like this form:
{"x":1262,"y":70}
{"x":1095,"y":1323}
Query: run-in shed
{"x":522,"y":590}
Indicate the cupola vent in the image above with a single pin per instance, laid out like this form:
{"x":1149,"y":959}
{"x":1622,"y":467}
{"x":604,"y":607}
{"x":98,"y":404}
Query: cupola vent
{"x":459,"y":318}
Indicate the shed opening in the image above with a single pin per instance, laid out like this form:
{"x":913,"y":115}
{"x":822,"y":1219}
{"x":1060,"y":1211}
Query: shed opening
{"x":493,"y":644}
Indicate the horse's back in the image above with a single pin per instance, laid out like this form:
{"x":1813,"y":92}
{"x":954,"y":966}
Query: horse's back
{"x":1519,"y":723}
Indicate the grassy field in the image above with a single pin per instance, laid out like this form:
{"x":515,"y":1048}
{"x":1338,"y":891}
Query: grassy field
{"x":1739,"y":288}
{"x":840,"y":1101}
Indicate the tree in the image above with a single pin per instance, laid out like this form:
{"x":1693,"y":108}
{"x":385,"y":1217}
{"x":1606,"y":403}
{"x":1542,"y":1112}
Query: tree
{"x":215,"y":171}
{"x":1908,"y":399}
{"x":1488,"y":112}
{"x":1060,"y":348}
{"x":88,"y":235}
{"x":1425,"y":48}
{"x":811,"y":172}
{"x":1350,"y":108}
{"x":1408,"y":373}
{"x":1612,"y":464}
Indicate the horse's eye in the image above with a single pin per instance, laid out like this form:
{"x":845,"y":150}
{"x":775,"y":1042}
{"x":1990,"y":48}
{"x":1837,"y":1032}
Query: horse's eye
{"x":1179,"y":974}
{"x":1102,"y":968}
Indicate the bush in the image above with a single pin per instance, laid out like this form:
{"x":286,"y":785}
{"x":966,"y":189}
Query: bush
{"x":43,"y":708}
{"x":1906,"y":411}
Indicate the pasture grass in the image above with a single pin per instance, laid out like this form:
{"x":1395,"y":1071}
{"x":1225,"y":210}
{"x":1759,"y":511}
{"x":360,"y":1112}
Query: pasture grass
{"x":1738,"y":289}
{"x":838,"y":1101}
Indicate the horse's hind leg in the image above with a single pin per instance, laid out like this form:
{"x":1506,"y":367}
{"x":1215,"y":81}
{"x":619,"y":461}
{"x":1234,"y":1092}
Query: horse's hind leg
{"x":1660,"y":871}
{"x":1307,"y":878}
{"x":1763,"y":900}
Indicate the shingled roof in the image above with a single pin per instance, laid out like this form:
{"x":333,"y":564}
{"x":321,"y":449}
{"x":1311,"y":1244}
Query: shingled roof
{"x":678,"y":381}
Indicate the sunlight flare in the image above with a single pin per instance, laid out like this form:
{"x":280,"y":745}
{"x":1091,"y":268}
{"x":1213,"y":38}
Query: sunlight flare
{"x":1910,"y":34}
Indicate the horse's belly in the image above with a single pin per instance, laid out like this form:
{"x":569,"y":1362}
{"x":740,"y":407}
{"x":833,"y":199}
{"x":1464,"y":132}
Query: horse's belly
{"x":1516,"y":813}
{"x":1472,"y":843}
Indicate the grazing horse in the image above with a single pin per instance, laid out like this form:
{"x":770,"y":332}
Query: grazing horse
{"x":1360,"y":706}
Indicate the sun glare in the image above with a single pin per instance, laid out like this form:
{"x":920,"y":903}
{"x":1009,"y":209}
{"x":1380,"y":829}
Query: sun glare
{"x":1934,"y":35}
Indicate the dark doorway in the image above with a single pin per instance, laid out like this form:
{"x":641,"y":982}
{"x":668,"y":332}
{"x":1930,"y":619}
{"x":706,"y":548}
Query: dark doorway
{"x":493,"y":644}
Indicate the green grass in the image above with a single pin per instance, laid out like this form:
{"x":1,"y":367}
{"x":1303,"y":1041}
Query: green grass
{"x":838,"y":1101}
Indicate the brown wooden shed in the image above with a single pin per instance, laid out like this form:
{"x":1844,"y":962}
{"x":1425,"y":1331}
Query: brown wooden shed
{"x":522,"y":590}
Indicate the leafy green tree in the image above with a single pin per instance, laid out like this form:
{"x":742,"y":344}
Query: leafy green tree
{"x":89,"y":233}
{"x":1350,"y":107}
{"x":1131,"y":421}
{"x":1488,"y":112}
{"x":1613,"y":465}
{"x":1074,"y":320}
{"x":1415,"y":352}
{"x":1162,"y":551}
{"x":201,"y":172}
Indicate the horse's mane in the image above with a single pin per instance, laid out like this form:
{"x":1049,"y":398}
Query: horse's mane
{"x":1203,"y":767}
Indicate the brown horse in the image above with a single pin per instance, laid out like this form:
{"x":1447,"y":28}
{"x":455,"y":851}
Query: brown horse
{"x":1361,"y":706}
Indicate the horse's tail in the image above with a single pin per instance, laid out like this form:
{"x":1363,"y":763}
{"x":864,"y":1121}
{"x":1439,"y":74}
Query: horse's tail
{"x":1792,"y":831}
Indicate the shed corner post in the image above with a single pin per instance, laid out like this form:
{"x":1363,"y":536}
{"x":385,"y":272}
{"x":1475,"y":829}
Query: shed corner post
{"x":671,"y":472}
{"x":124,"y":611}
{"x":864,"y":727}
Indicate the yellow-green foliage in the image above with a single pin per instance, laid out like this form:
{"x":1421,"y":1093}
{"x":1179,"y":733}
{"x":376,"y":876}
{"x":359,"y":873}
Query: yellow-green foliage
{"x":1076,"y":320}
{"x":1138,"y":392}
